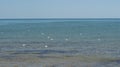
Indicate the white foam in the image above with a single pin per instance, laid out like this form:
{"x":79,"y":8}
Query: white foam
{"x":48,"y":37}
{"x":80,"y":33}
{"x":46,"y":46}
{"x":51,"y":39}
{"x":24,"y":45}
{"x":99,"y":39}
{"x":42,"y":33}
{"x":66,"y":39}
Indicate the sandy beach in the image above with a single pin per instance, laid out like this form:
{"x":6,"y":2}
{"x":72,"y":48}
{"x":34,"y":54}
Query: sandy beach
{"x":30,"y":60}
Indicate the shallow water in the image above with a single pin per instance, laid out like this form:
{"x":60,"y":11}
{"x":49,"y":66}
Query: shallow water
{"x":80,"y":37}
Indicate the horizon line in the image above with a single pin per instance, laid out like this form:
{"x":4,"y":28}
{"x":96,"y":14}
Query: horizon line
{"x":55,"y":18}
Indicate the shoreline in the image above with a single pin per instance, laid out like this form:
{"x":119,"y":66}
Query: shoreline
{"x":57,"y":61}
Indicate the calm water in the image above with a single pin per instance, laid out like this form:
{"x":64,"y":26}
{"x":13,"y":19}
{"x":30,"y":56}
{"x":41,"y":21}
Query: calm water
{"x":65,"y":37}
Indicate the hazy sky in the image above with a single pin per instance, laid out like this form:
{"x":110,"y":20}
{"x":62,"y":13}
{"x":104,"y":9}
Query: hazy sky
{"x":59,"y":8}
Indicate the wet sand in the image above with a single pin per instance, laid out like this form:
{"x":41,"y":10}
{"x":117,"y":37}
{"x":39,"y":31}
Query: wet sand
{"x":32,"y":60}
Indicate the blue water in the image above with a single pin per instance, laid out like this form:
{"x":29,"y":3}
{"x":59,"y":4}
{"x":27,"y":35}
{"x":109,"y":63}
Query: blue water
{"x":95,"y":37}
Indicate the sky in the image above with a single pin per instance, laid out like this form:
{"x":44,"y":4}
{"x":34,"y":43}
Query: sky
{"x":59,"y":8}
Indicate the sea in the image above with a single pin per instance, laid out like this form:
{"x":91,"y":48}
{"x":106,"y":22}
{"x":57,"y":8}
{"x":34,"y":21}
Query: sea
{"x":64,"y":37}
